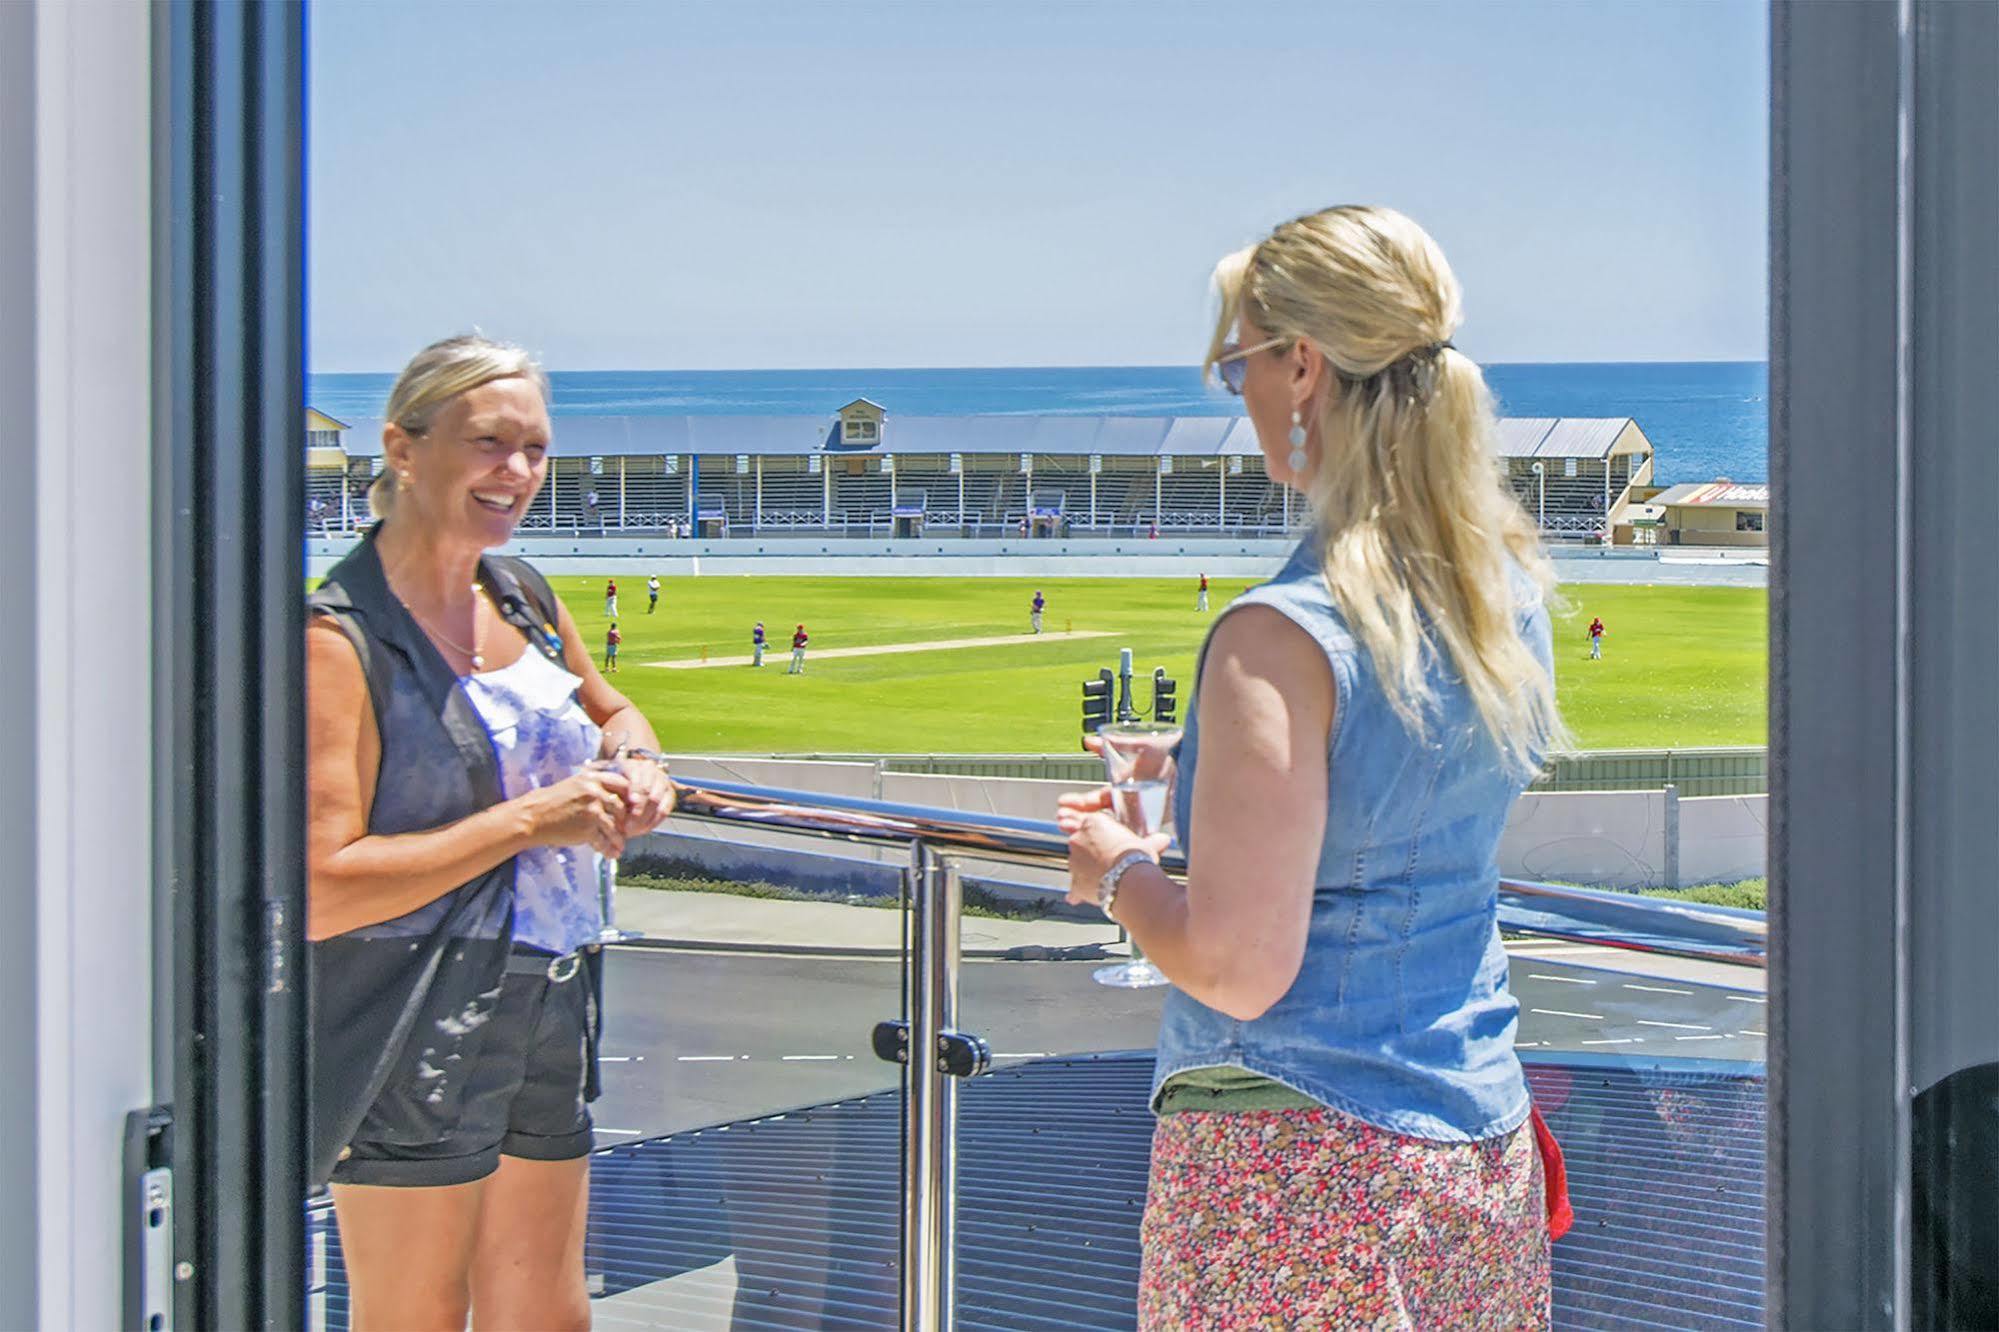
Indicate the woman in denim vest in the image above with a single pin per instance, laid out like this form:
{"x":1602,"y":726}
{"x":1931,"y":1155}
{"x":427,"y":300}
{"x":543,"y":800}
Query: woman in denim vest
{"x":1342,"y":1135}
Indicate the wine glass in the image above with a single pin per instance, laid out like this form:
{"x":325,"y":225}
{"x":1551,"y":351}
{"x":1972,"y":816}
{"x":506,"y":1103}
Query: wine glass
{"x":607,"y":879}
{"x":1138,"y":763}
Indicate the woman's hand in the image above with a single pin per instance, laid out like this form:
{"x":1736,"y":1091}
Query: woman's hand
{"x":650,"y":799}
{"x":586,"y":809}
{"x":1096,"y":840}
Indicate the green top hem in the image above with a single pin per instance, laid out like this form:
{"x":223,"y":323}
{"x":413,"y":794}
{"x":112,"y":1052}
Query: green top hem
{"x":1228,"y":1090}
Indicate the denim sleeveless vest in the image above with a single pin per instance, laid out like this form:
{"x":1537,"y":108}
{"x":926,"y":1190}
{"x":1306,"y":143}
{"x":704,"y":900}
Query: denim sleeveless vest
{"x":1400,"y":1015}
{"x":404,"y":1002}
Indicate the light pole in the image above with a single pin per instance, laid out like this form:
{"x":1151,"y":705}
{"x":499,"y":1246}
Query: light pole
{"x":1541,"y":501}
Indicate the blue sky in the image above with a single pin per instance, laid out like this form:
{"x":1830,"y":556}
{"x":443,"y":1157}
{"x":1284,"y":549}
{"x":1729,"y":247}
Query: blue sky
{"x":766,"y":183}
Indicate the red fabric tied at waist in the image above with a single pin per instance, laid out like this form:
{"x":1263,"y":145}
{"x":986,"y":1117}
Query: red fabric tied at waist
{"x":1560,"y":1215}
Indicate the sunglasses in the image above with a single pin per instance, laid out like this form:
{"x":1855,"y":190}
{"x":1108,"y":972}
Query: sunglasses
{"x":1232,"y":362}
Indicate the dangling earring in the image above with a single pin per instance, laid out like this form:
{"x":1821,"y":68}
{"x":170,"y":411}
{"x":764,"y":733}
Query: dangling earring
{"x":1296,"y":462}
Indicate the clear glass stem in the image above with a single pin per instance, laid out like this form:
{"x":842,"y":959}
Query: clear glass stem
{"x":607,"y":894}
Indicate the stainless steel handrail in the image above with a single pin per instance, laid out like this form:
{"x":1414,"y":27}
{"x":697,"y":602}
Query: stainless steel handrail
{"x":936,"y":838}
{"x":1614,"y":920}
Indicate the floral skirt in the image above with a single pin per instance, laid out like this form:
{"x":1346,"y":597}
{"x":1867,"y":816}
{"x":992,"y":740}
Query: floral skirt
{"x":1313,"y":1219}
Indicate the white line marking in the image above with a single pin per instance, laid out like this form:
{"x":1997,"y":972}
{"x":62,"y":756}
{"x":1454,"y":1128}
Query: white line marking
{"x":1022,"y":1054}
{"x":1528,"y":1045}
{"x":1700,"y":1038}
{"x":1621,"y":1040}
{"x":1556,"y":1012}
{"x":1683,"y":1026}
{"x":620,"y":1059}
{"x":1752,"y":1033}
{"x":794,"y":1059}
{"x":629,"y":1133}
{"x":1745,"y":999}
{"x":889,"y":649}
{"x":708,"y":1059}
{"x":1565,"y":980}
{"x":1655,"y":989}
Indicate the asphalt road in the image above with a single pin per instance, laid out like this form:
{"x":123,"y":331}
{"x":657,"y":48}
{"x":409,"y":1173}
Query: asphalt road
{"x":697,"y":1038}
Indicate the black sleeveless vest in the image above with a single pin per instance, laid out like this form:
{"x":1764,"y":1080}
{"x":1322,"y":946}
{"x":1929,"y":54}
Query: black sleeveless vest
{"x":404,"y":1003}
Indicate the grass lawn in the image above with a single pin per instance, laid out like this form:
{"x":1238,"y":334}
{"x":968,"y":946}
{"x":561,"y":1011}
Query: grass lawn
{"x":1682,"y":666}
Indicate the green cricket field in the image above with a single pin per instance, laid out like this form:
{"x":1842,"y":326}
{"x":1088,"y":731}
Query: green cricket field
{"x":948,"y":665}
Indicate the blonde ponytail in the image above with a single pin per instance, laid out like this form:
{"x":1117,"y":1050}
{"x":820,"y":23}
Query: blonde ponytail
{"x":1421,"y":537}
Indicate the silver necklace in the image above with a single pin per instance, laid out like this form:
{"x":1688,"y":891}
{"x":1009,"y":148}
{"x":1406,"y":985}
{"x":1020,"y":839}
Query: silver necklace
{"x":472,"y":653}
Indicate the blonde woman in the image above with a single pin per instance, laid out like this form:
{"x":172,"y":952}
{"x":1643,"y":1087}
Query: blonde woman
{"x":1343,"y":1134}
{"x":467,"y":766}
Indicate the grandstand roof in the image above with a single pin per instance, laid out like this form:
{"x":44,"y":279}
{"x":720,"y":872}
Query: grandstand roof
{"x":1565,"y":437}
{"x":1127,"y":436}
{"x":1147,"y":436}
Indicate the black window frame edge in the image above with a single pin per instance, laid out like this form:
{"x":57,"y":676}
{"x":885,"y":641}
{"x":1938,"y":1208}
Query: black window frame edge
{"x":229,"y":484}
{"x":1837,"y":1129}
{"x":1950,"y":1068}
{"x":1884,"y":313}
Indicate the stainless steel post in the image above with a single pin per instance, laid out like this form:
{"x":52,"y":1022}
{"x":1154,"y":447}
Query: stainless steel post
{"x":930,"y":1124}
{"x":946,"y":933}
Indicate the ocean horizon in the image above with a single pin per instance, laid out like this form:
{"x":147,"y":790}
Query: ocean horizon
{"x":1706,"y":419}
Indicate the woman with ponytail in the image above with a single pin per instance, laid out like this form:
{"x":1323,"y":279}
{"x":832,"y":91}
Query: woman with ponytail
{"x":1344,"y":1134}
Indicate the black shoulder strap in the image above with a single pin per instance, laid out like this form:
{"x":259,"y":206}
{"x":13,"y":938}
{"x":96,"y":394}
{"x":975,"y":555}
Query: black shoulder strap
{"x":527,"y":602}
{"x":331,"y":602}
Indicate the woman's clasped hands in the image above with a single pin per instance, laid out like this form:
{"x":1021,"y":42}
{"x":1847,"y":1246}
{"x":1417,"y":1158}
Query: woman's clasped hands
{"x":603,"y":806}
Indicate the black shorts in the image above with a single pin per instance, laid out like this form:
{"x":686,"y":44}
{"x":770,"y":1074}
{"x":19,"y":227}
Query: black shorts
{"x":523,"y":1095}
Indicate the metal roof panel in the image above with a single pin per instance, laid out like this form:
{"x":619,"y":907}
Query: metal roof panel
{"x":1582,"y":437}
{"x":1520,"y":436}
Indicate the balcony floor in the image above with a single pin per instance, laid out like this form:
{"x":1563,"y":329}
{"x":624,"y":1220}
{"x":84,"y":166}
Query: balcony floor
{"x":791,"y":1221}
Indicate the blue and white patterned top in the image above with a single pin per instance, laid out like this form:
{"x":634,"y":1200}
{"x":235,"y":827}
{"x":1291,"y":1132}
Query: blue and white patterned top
{"x":541,"y":735}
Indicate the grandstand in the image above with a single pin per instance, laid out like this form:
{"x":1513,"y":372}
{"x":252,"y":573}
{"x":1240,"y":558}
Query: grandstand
{"x":863,"y":473}
{"x":1575,"y":474}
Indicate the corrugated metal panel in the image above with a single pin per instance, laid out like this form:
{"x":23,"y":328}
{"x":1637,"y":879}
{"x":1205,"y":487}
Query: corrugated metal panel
{"x":1665,"y":1171}
{"x":1196,"y":436}
{"x":1131,"y":436}
{"x":1582,"y":437}
{"x":1519,"y":436}
{"x":770,"y":436}
{"x":1242,"y":440}
{"x":943,"y":434}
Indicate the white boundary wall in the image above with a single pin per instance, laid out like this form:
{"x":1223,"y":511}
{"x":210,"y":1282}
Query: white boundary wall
{"x":1617,"y":839}
{"x":1610,"y":839}
{"x":1167,"y":556}
{"x":836,"y":557}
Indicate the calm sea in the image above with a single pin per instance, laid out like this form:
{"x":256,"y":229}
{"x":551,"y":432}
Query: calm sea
{"x":1707,"y":419}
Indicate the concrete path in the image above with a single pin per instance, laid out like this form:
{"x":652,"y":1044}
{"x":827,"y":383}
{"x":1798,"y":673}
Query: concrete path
{"x":726,"y":923}
{"x":866,"y":928}
{"x":700,"y":1038}
{"x":773,"y":655}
